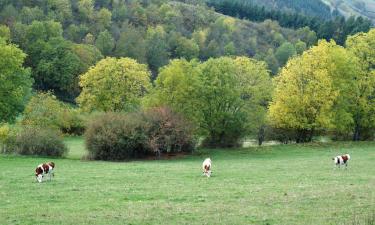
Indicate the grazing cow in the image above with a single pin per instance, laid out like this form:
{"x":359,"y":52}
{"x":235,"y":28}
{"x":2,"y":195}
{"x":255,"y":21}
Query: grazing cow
{"x":44,"y":169}
{"x":207,"y":166}
{"x":341,"y":160}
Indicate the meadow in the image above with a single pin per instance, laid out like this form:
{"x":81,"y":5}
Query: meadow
{"x":284,"y":184}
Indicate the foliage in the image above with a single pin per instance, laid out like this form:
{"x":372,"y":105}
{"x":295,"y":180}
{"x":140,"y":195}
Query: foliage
{"x":115,"y":136}
{"x":151,"y":32}
{"x":284,"y":52}
{"x":114,"y":85}
{"x":105,"y":43}
{"x":362,"y":45}
{"x":4,"y":32}
{"x":312,"y":91}
{"x":15,"y":81}
{"x":168,"y":131}
{"x":6,"y":135}
{"x":39,"y":141}
{"x":45,"y":111}
{"x":226,"y":98}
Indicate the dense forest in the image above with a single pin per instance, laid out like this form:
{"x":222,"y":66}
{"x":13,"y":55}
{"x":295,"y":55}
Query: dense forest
{"x":314,"y":8}
{"x":63,"y":38}
{"x":328,"y":27}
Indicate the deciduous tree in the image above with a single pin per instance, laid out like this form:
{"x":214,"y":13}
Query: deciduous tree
{"x":114,"y":85}
{"x":15,"y":81}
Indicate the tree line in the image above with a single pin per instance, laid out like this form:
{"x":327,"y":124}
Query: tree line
{"x":327,"y":90}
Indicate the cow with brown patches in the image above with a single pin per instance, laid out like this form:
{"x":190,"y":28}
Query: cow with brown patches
{"x":341,"y":160}
{"x":207,"y":166}
{"x":44,"y":169}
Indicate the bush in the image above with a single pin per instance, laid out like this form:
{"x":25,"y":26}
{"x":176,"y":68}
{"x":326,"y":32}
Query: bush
{"x":168,"y":132}
{"x":39,"y":141}
{"x":44,"y":110}
{"x":73,"y":122}
{"x":114,"y":136}
{"x":7,"y":136}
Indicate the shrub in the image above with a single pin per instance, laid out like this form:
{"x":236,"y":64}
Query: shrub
{"x":44,"y":110}
{"x":115,"y":136}
{"x":168,"y":132}
{"x":39,"y":141}
{"x":73,"y":122}
{"x":6,"y":138}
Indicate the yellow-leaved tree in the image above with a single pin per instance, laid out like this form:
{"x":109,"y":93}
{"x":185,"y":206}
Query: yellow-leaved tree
{"x":114,"y":85}
{"x":312,"y":91}
{"x":363,"y":109}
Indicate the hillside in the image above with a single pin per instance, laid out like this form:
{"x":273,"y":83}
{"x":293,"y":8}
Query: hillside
{"x":365,"y":8}
{"x":63,"y":38}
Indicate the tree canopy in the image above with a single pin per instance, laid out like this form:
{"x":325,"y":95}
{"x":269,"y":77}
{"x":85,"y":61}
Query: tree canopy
{"x":15,"y":81}
{"x":226,"y":97}
{"x":114,"y":85}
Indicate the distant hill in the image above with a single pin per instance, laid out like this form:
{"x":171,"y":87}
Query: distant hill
{"x":347,"y":8}
{"x":306,"y":7}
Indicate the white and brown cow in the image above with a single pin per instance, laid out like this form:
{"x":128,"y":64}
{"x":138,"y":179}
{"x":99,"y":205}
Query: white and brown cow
{"x":44,"y":169}
{"x":341,"y":160}
{"x":207,"y":166}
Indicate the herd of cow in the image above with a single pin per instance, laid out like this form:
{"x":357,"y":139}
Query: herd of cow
{"x":47,"y":169}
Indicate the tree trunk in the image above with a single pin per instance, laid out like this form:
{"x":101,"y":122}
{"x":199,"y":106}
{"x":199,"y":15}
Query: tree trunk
{"x":261,"y":135}
{"x":356,"y":135}
{"x":158,"y":154}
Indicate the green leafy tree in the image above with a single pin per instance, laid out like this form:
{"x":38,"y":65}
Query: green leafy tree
{"x":225,"y":97}
{"x":300,"y":47}
{"x":177,"y":86}
{"x":5,"y":33}
{"x":43,"y":110}
{"x":103,"y":19}
{"x":131,"y":44}
{"x":28,"y":14}
{"x":60,"y":10}
{"x":114,"y":85}
{"x":157,"y":48}
{"x":57,"y":68}
{"x":284,"y":52}
{"x":233,"y":98}
{"x":86,"y":10}
{"x":105,"y":43}
{"x":15,"y":81}
{"x":186,"y":48}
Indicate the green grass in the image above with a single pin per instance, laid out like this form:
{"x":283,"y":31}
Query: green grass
{"x":288,"y":184}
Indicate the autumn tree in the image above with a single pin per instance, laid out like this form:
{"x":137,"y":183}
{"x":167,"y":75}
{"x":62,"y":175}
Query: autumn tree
{"x":312,"y":91}
{"x":114,"y":85}
{"x":363,"y":45}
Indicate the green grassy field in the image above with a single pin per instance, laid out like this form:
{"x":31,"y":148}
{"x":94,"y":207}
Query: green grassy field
{"x":289,"y":184}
